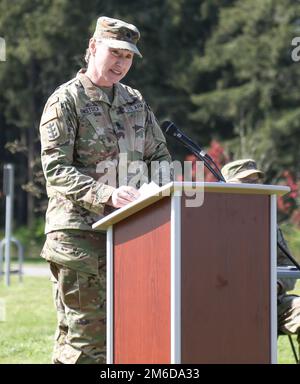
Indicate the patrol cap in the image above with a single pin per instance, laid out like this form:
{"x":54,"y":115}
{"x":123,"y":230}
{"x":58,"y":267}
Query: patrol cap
{"x":239,"y":169}
{"x":117,"y":34}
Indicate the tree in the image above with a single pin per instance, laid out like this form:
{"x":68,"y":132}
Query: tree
{"x":252,"y":97}
{"x":41,"y":49}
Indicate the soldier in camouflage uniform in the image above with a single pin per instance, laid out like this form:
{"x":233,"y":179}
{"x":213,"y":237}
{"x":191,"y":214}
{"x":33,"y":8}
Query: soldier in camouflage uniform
{"x":87,"y":125}
{"x":245,"y":171}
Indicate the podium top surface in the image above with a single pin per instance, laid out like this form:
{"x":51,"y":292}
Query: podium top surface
{"x":178,"y":188}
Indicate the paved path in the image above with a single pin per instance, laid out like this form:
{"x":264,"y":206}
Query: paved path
{"x":36,"y":271}
{"x":29,"y":271}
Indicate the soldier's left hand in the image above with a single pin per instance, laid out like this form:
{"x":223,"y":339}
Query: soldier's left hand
{"x":123,"y":196}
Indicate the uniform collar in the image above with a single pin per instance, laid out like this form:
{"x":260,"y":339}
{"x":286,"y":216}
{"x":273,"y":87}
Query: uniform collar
{"x":121,"y":95}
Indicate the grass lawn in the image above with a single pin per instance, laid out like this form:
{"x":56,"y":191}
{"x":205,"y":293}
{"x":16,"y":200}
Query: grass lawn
{"x":26,"y":336}
{"x":285,"y":354}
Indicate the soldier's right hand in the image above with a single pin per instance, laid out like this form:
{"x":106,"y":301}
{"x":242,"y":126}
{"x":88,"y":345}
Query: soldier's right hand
{"x":123,"y":196}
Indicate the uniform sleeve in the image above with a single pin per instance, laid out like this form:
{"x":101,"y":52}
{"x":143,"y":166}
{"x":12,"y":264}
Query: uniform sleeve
{"x":156,"y":150}
{"x":58,"y":129}
{"x":282,"y":260}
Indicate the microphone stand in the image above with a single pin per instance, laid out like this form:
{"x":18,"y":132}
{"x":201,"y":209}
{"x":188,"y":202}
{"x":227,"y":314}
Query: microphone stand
{"x":194,"y":148}
{"x":288,"y":255}
{"x":218,"y":175}
{"x":197,"y":151}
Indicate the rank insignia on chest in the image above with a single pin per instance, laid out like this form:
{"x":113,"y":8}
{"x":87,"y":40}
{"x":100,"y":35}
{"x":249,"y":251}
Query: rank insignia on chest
{"x":52,"y":131}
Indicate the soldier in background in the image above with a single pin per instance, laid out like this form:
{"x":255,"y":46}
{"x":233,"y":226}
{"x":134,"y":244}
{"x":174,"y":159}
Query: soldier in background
{"x":246,"y":171}
{"x":87,"y":125}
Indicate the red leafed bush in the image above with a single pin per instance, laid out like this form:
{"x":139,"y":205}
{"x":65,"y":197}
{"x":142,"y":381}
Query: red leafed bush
{"x":288,"y":205}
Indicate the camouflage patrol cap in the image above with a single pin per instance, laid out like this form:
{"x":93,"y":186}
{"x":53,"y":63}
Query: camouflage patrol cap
{"x":117,"y":34}
{"x":239,"y":169}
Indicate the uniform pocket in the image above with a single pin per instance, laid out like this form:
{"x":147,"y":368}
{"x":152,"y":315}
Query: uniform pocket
{"x":136,"y":124}
{"x":92,"y":295}
{"x":139,"y":144}
{"x":69,"y":288}
{"x":96,"y":140}
{"x":78,"y":250}
{"x":69,"y":355}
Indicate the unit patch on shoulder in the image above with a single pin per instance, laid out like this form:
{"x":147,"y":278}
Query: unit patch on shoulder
{"x":52,"y":130}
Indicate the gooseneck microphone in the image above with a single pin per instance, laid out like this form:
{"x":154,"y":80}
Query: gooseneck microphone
{"x":169,"y":128}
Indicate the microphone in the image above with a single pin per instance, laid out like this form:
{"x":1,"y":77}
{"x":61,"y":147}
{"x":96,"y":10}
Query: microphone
{"x":170,"y":129}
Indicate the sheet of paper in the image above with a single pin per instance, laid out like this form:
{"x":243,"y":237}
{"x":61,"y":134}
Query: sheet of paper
{"x":148,"y":189}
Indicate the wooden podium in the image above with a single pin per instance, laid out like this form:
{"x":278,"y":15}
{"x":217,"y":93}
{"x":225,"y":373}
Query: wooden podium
{"x":193,"y":284}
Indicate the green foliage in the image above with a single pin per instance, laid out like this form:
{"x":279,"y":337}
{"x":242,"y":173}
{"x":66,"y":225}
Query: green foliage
{"x":36,"y":233}
{"x":292,"y":235}
{"x":249,"y":89}
{"x":32,"y":239}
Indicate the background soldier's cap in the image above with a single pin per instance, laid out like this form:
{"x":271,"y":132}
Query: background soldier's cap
{"x":239,"y":169}
{"x":117,"y":34}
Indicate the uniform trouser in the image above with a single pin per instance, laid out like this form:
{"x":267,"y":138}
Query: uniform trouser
{"x":81,"y":313}
{"x":289,"y":315}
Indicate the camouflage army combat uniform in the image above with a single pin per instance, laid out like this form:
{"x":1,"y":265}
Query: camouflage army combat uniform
{"x":80,"y":129}
{"x":288,"y":304}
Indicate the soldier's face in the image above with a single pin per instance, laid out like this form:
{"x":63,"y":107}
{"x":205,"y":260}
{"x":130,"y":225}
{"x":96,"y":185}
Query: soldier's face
{"x":111,"y":64}
{"x":252,"y":179}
